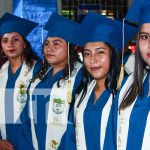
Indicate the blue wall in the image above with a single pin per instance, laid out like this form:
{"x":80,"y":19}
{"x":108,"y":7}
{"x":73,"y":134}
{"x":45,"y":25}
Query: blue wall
{"x":38,"y":11}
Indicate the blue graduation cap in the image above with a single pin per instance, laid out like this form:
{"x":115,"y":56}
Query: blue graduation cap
{"x":59,"y":26}
{"x":107,"y":30}
{"x":105,"y":33}
{"x":139,"y":12}
{"x":11,"y":23}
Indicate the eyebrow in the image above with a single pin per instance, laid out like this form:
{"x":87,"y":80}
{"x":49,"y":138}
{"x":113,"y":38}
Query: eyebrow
{"x":57,"y":40}
{"x":11,"y":37}
{"x":98,"y":48}
{"x":101,"y":48}
{"x":144,"y":33}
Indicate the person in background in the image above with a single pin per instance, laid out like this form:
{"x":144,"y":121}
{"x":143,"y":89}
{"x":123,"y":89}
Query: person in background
{"x":88,"y":122}
{"x":131,"y":109}
{"x":53,"y":88}
{"x":19,"y":63}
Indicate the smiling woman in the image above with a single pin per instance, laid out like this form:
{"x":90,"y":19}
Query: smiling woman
{"x":90,"y":118}
{"x":131,"y":111}
{"x":13,"y":46}
{"x":19,"y":63}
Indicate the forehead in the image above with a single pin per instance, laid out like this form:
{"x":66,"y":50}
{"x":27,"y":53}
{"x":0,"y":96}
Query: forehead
{"x":12,"y":34}
{"x":145,"y":28}
{"x":96,"y":45}
{"x":55,"y":39}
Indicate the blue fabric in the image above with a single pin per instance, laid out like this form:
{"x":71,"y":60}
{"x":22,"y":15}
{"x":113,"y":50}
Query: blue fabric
{"x":137,"y":122}
{"x":11,"y":23}
{"x":13,"y":129}
{"x":138,"y":118}
{"x":100,"y":28}
{"x":42,"y":102}
{"x":92,"y":118}
{"x":68,"y":141}
{"x":57,"y":25}
{"x":134,"y":13}
{"x":110,"y":142}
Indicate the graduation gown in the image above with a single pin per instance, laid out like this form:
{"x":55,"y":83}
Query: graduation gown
{"x":13,"y":98}
{"x":87,"y":124}
{"x":131,"y":127}
{"x":48,"y":111}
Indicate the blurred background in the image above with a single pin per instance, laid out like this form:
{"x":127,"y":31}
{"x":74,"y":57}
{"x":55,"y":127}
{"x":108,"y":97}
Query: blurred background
{"x":40,"y":10}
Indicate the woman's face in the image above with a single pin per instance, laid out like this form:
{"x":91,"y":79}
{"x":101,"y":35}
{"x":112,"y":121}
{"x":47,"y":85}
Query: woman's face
{"x":144,"y":42}
{"x":56,"y":51}
{"x":13,"y":45}
{"x":97,"y":59}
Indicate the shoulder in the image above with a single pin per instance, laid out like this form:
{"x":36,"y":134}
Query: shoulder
{"x":78,"y":65}
{"x":37,"y":66}
{"x":4,"y":66}
{"x":127,"y":81}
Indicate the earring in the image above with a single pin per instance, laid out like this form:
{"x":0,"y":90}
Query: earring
{"x":3,"y":54}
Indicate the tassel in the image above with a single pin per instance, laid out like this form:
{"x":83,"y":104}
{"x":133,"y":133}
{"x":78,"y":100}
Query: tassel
{"x":121,"y":76}
{"x":69,"y":94}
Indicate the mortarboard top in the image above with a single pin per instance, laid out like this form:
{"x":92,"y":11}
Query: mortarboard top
{"x":11,"y":23}
{"x":104,"y":33}
{"x":139,"y":12}
{"x":106,"y":30}
{"x":59,"y":26}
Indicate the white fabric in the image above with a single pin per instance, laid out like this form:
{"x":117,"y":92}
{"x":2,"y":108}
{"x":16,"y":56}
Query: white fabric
{"x":80,"y":134}
{"x":56,"y":123}
{"x":145,"y":144}
{"x":124,"y":116}
{"x":23,"y":78}
{"x":129,"y":66}
{"x":34,"y":139}
{"x":104,"y":120}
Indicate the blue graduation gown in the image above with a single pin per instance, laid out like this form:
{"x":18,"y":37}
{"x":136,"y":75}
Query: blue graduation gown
{"x":92,"y":124}
{"x":12,"y":129}
{"x":137,"y":121}
{"x":41,"y":101}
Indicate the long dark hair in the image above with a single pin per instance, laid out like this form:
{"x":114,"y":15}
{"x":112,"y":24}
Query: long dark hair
{"x":74,"y":57}
{"x":112,"y":76}
{"x":28,"y":54}
{"x":137,"y":86}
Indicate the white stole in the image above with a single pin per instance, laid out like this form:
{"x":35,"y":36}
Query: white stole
{"x":58,"y":109}
{"x":31,"y":113}
{"x":80,"y":134}
{"x":58,"y":112}
{"x":19,"y":98}
{"x":145,"y":144}
{"x":124,"y":116}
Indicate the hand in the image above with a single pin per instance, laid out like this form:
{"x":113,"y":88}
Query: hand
{"x":5,"y":145}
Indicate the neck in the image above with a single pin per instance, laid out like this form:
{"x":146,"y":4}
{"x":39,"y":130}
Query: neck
{"x":15,"y":64}
{"x":100,"y":84}
{"x":57,"y":68}
{"x":99,"y":89}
